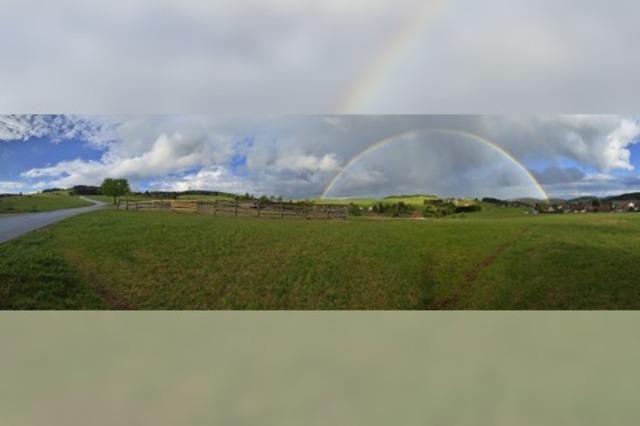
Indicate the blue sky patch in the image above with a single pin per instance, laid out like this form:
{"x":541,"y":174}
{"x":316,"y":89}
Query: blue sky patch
{"x":17,"y":157}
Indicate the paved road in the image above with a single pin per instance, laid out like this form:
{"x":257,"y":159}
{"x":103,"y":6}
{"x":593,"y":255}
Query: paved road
{"x":14,"y":225}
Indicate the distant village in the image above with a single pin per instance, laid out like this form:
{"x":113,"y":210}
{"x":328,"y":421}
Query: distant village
{"x":595,"y":206}
{"x":626,"y":203}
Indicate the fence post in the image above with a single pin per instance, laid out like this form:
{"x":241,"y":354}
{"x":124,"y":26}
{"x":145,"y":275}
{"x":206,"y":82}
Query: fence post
{"x":328,"y":212}
{"x":281,"y":210}
{"x":346,"y":212}
{"x":258,"y":206}
{"x":236,"y":207}
{"x":127,"y":205}
{"x":215,"y":206}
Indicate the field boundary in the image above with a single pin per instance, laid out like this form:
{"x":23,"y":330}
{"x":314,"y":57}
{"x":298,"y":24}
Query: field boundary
{"x":237,"y":208}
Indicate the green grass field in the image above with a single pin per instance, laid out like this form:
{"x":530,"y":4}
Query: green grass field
{"x":40,"y":202}
{"x":500,"y":259}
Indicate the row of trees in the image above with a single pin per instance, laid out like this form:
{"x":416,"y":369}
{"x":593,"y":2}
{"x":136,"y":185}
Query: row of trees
{"x":111,"y":187}
{"x":399,"y":209}
{"x":118,"y":187}
{"x":402,"y":209}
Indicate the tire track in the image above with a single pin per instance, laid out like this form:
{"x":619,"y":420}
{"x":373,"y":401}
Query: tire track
{"x":472,"y":275}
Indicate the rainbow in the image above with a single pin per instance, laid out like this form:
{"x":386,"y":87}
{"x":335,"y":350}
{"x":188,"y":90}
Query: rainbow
{"x":365,"y":86}
{"x":462,"y":133}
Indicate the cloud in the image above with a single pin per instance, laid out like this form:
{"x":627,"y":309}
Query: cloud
{"x":129,"y":159}
{"x":54,"y":127}
{"x":308,"y":163}
{"x":600,"y":184}
{"x":204,"y":179}
{"x":445,"y":164}
{"x":11,"y":187}
{"x":278,"y":56}
{"x":299,"y":155}
{"x":149,"y":56}
{"x":553,"y":175}
{"x":600,"y":141}
{"x":617,"y":155}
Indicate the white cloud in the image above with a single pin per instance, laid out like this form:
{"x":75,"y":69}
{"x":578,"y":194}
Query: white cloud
{"x":55,"y":127}
{"x":205,"y":179}
{"x":308,"y":163}
{"x":617,"y":154}
{"x":600,"y":141}
{"x":11,"y":187}
{"x":599,"y":177}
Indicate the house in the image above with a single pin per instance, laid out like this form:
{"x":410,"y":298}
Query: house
{"x":575,"y":208}
{"x":604,"y":208}
{"x":625,"y":206}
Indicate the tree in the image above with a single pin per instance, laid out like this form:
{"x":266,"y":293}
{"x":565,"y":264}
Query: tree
{"x":115,"y":188}
{"x":84,"y":190}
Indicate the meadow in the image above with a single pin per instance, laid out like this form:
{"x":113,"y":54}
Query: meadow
{"x":495,"y":259}
{"x":40,"y":202}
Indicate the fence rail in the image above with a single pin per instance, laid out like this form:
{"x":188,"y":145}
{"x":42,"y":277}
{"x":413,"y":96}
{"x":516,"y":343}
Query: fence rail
{"x":239,"y":208}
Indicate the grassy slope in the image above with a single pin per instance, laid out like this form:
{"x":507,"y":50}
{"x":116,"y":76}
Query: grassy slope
{"x":103,"y":198}
{"x":40,"y":203}
{"x":165,"y":260}
{"x":108,"y":199}
{"x":416,"y":200}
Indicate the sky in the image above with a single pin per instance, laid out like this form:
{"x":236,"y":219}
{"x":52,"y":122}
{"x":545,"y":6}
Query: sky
{"x":308,"y":156}
{"x":319,"y":56}
{"x":245,"y":96}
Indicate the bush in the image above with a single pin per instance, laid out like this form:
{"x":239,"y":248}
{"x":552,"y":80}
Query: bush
{"x":84,"y":190}
{"x":430,"y":211}
{"x":468,"y":209}
{"x":355,"y":210}
{"x":492,"y":200}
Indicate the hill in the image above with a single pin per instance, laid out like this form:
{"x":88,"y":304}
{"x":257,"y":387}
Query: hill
{"x":40,"y":202}
{"x":583,"y":199}
{"x":625,"y":197}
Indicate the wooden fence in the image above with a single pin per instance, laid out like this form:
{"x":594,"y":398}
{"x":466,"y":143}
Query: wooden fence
{"x":236,"y":208}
